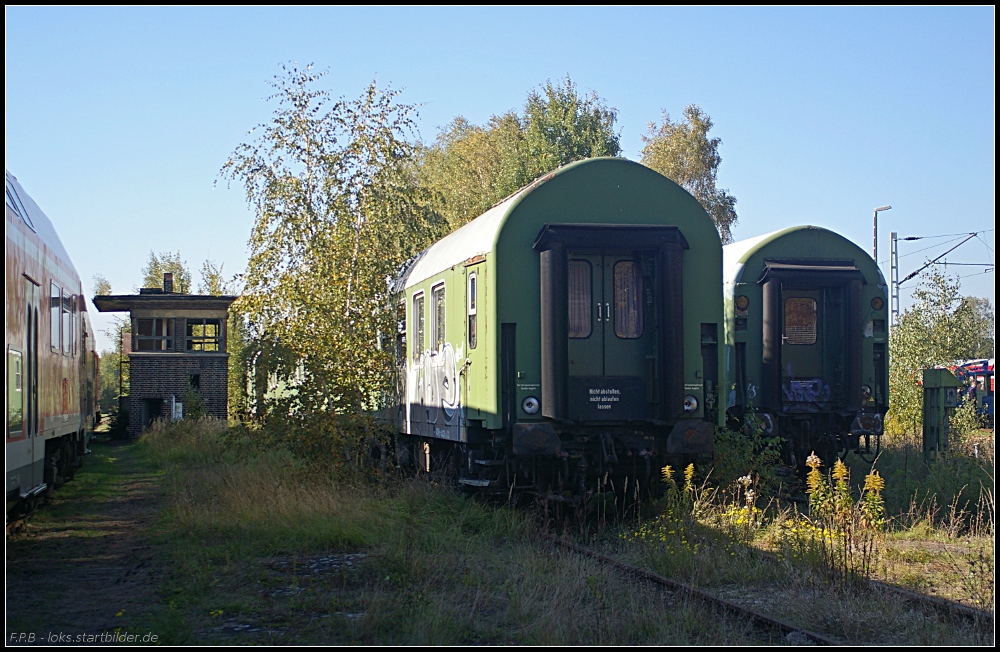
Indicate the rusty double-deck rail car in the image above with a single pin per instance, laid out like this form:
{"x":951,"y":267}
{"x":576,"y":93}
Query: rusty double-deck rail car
{"x":51,"y":361}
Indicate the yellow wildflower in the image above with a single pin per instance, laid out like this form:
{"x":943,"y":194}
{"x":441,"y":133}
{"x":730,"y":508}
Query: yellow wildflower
{"x":874,"y":482}
{"x":668,"y":474}
{"x":813,"y":461}
{"x":839,"y":470}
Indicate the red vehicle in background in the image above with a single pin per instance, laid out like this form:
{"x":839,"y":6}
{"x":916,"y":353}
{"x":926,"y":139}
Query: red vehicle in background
{"x":980,"y":385}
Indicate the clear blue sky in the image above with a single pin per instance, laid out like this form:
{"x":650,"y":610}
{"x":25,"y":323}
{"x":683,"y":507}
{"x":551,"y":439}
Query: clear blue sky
{"x":118,"y":120}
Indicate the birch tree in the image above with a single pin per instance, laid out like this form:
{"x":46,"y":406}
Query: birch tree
{"x":469,"y":167}
{"x":338,"y":210}
{"x":683,"y":152}
{"x":941,"y":328}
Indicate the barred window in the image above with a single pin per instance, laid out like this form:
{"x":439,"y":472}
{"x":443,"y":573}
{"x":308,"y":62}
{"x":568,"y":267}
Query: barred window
{"x":628,"y":300}
{"x":204,"y":335}
{"x":154,"y":335}
{"x":800,"y":320}
{"x":580,"y":299}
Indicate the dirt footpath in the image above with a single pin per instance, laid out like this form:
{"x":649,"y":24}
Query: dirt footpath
{"x":83,"y":569}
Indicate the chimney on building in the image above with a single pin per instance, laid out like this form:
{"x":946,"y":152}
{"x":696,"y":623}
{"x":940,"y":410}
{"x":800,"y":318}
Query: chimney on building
{"x":168,"y":282}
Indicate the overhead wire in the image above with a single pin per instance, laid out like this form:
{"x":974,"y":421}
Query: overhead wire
{"x":938,"y":244}
{"x":989,"y":271}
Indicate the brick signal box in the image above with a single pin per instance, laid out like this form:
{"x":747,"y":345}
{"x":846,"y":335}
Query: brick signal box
{"x":178,"y":353}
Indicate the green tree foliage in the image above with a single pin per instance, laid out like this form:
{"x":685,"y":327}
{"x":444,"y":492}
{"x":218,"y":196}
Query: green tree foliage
{"x":102,"y":286}
{"x":683,"y":152}
{"x":337,"y":210}
{"x":109,"y":380}
{"x":212,"y":280}
{"x":470,"y":168}
{"x":941,"y":328}
{"x":562,"y":126}
{"x":158,"y":264}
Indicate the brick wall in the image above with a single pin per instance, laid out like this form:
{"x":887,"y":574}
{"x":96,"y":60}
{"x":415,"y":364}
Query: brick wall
{"x":165,"y":375}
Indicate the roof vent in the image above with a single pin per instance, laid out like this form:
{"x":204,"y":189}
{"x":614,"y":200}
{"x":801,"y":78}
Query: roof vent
{"x":168,"y":282}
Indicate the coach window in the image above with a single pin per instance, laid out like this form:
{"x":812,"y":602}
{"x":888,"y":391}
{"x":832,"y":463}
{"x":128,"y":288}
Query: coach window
{"x":55,"y":314}
{"x":472,"y":311}
{"x":204,"y":335}
{"x":580,"y":298}
{"x":800,"y":320}
{"x":14,"y":202}
{"x":418,"y":325}
{"x":73,"y":326}
{"x":15,"y":393}
{"x":629,"y":324}
{"x":438,"y":317}
{"x":400,"y":339}
{"x":67,"y":325}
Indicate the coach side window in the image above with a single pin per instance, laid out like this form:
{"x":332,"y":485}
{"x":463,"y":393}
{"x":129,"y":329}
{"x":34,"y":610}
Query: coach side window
{"x":580,"y":299}
{"x":473,"y":335}
{"x":438,"y":318}
{"x":14,"y":202}
{"x":418,"y":325}
{"x":15,"y":393}
{"x":68,"y":330}
{"x":55,"y":314}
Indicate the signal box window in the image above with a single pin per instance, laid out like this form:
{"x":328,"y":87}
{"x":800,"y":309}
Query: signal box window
{"x":204,"y":335}
{"x":418,"y":325}
{"x":472,"y":311}
{"x":800,"y":320}
{"x":580,"y":299}
{"x":154,"y":335}
{"x":629,"y":324}
{"x":55,"y":313}
{"x":438,"y":319}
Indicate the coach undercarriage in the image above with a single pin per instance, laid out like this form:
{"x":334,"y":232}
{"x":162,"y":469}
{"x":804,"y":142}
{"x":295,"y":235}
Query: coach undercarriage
{"x":584,"y":459}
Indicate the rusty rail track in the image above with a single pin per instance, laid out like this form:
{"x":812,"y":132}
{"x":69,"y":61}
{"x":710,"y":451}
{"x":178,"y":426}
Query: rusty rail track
{"x":947,"y":606}
{"x":940,"y":604}
{"x":761,"y":618}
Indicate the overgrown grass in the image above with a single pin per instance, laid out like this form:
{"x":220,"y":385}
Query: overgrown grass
{"x":917,"y":489}
{"x":438,"y":567}
{"x":729,"y":539}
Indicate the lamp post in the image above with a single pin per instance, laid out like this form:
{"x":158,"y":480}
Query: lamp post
{"x":875,"y":234}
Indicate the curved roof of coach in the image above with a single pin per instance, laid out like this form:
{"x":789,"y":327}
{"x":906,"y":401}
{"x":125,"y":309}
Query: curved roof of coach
{"x":42,"y":226}
{"x":735,"y":256}
{"x":479,"y":237}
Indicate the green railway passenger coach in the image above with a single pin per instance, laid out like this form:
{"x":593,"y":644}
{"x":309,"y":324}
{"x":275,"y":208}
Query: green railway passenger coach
{"x":569,"y":332}
{"x":806,"y":341}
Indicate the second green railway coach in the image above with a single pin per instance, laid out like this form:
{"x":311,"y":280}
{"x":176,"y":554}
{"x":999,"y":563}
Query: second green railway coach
{"x":807,"y":341}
